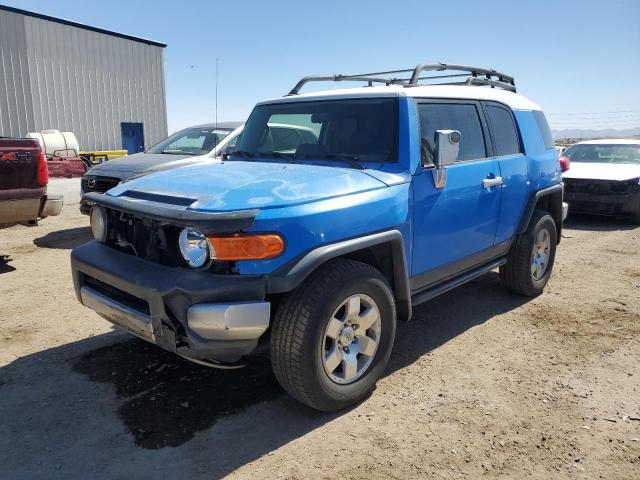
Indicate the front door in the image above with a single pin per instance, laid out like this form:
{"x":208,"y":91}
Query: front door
{"x":454,"y":226}
{"x":132,"y":137}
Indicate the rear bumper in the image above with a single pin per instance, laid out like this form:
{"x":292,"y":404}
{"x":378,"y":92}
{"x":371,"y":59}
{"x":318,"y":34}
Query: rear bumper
{"x":52,"y":206}
{"x":198,"y":315}
{"x":30,"y":209}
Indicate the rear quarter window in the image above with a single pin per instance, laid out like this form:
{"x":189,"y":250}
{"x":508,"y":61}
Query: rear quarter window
{"x":545,"y":131}
{"x":504,"y":130}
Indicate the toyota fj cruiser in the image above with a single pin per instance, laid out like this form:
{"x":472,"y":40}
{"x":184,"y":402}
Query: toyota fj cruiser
{"x":313,"y":246}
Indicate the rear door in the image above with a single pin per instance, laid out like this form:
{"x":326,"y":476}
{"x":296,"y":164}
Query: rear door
{"x":454,"y":226}
{"x":507,"y":148}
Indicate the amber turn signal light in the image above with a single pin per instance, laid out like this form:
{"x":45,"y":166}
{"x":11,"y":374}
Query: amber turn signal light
{"x":246,"y":247}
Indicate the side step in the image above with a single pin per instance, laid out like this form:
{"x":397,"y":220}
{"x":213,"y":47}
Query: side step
{"x":433,"y":292}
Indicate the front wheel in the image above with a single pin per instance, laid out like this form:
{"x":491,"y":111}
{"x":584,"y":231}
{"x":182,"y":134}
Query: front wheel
{"x":531,"y":257}
{"x":333,"y":335}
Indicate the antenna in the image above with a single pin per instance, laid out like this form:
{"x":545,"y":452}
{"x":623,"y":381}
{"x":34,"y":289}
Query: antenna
{"x":216,"y":134}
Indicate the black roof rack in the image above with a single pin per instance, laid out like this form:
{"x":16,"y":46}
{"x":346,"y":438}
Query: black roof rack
{"x":472,"y":76}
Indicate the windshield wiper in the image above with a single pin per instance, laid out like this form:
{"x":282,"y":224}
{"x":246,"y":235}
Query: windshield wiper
{"x":289,"y":156}
{"x":352,"y":160}
{"x":243,"y":153}
{"x":176,"y":152}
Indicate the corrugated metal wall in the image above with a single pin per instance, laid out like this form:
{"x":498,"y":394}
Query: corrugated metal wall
{"x":67,"y":78}
{"x":16,"y":107}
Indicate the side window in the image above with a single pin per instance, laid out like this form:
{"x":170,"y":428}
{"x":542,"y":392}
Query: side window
{"x":451,"y":116}
{"x":504,"y":130}
{"x":544,"y":130}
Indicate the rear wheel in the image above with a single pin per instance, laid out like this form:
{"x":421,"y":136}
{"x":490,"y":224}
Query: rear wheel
{"x":333,"y":335}
{"x":531,"y":257}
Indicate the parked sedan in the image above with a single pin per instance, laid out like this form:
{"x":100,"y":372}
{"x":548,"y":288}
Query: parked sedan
{"x":604,"y":178}
{"x":191,"y":145}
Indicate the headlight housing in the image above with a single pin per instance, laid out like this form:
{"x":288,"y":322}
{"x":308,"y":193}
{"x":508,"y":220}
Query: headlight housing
{"x":194,"y":247}
{"x":98,"y":220}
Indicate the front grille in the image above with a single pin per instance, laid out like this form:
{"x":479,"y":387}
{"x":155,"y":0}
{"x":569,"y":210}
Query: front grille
{"x":144,"y":238}
{"x":599,"y":187}
{"x":92,"y":183}
{"x":151,"y":240}
{"x":118,"y":295}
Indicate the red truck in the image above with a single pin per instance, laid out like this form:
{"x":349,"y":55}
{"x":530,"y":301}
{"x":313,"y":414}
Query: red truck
{"x":23,"y":183}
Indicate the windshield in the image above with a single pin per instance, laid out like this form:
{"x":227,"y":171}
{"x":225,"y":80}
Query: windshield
{"x":355,"y":130}
{"x":191,"y":141}
{"x":600,"y":153}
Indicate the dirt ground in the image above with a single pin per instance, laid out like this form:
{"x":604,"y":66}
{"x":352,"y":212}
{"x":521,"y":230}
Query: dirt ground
{"x":482,"y":383}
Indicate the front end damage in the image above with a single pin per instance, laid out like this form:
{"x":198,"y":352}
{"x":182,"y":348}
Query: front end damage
{"x":138,"y":281}
{"x":616,"y":198}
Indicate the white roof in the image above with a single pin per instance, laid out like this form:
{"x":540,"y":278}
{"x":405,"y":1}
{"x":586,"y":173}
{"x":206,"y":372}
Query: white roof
{"x":513,"y":100}
{"x":611,"y":141}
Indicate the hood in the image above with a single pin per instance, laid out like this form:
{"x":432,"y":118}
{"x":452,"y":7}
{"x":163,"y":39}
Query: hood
{"x":602,"y":171}
{"x":136,"y":163}
{"x":240,"y":185}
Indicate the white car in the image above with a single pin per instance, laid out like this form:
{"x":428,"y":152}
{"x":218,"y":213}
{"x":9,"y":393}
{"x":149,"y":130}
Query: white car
{"x":604,"y":178}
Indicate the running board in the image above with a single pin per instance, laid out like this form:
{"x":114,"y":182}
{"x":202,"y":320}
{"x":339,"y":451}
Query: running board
{"x":433,"y":292}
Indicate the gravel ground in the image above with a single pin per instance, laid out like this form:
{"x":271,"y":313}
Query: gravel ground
{"x":482,"y":384}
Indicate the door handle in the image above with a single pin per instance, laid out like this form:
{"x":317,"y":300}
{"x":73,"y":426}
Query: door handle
{"x":491,"y":182}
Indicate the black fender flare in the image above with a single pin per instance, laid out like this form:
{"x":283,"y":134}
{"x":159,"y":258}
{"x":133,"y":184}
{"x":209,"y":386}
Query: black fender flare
{"x":290,"y":275}
{"x":557,"y":193}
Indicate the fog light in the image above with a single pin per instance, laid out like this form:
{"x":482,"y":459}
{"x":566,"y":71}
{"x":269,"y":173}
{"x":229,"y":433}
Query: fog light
{"x":98,"y":220}
{"x":194,"y":247}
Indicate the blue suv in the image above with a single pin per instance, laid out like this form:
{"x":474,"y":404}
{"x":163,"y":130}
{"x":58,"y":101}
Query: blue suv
{"x":312,"y":241}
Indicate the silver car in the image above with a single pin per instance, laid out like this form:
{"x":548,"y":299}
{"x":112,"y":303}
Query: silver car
{"x":192,"y":145}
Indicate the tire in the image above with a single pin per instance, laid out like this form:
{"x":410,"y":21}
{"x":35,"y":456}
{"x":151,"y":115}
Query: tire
{"x":517,"y":274}
{"x":302,"y":338}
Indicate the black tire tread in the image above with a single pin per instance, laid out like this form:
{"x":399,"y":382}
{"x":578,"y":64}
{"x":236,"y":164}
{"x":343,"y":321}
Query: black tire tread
{"x":515,"y":274}
{"x":293,"y":317}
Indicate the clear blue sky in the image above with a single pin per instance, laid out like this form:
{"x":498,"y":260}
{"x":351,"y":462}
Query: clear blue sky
{"x":569,"y":56}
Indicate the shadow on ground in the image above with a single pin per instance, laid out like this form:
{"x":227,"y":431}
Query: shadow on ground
{"x":595,"y":223}
{"x":65,"y":239}
{"x":4,"y":264}
{"x":165,"y":401}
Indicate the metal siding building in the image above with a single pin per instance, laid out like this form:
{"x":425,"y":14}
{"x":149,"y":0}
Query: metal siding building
{"x":56,"y":74}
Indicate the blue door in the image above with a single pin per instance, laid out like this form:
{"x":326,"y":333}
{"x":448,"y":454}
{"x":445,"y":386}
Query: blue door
{"x":132,"y":137}
{"x":513,"y":168}
{"x":454,"y":226}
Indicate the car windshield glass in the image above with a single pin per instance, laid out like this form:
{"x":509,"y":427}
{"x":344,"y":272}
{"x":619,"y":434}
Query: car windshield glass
{"x":601,"y":153}
{"x":191,"y":141}
{"x":349,"y":131}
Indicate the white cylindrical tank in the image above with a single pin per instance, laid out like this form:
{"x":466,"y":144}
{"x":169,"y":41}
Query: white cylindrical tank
{"x":55,"y":142}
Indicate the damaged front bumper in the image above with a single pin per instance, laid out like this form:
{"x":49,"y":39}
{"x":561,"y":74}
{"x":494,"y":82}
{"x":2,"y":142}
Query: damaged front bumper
{"x":206,"y":317}
{"x":603,"y":197}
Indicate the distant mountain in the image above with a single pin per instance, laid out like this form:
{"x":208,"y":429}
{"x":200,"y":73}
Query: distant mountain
{"x":606,"y":133}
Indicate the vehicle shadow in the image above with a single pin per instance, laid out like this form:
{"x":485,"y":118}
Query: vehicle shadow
{"x":4,"y":264}
{"x":65,"y":239}
{"x":219,"y":419}
{"x":595,"y":223}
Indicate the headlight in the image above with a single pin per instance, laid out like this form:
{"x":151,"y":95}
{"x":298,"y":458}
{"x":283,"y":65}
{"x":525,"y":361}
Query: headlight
{"x":98,"y":220}
{"x":194,"y":247}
